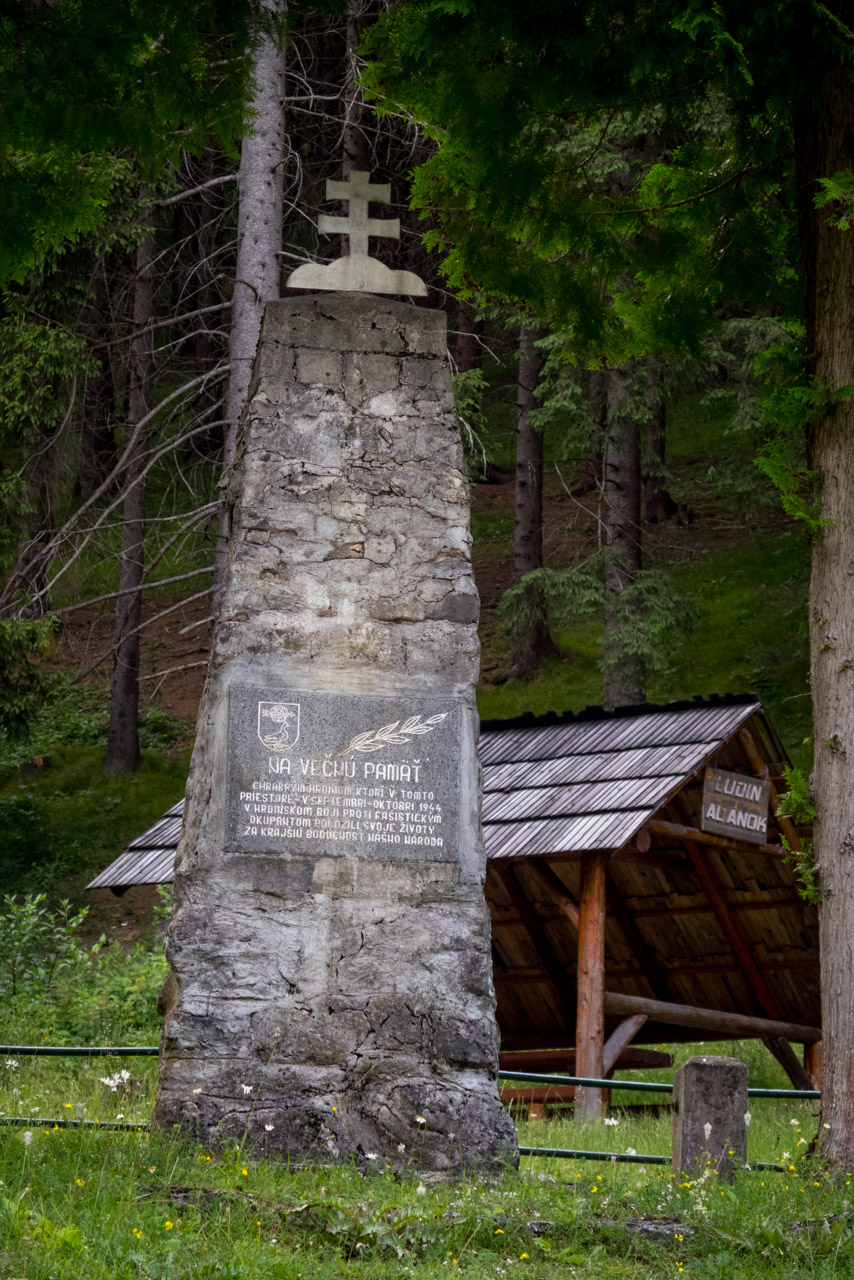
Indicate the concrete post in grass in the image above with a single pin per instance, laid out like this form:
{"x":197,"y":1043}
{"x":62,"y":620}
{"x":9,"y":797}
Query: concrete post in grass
{"x":710,"y":1112}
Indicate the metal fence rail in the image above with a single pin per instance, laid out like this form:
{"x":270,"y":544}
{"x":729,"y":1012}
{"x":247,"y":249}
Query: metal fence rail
{"x":525,"y":1077}
{"x":79,"y":1051}
{"x":642,"y":1086}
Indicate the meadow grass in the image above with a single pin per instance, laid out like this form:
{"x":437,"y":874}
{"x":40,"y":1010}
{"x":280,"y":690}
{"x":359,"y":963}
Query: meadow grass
{"x":98,"y":1203}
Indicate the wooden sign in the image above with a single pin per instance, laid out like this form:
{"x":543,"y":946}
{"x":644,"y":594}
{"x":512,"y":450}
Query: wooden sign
{"x":735,"y":805}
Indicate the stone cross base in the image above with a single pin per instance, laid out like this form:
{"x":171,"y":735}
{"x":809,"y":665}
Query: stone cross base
{"x":330,"y":992}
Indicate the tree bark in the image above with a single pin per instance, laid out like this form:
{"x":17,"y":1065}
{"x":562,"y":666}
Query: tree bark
{"x":467,"y":348}
{"x":123,"y":753}
{"x":823,"y":146}
{"x":259,"y":240}
{"x":622,"y":670}
{"x":97,"y":444}
{"x":657,"y":503}
{"x":531,"y":642}
{"x":355,"y":142}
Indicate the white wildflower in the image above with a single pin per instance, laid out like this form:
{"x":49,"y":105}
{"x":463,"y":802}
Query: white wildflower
{"x":120,"y":1116}
{"x":747,"y":1119}
{"x":630,"y":1151}
{"x":198,"y":1090}
{"x":786,"y":1155}
{"x":268,"y":1128}
{"x":794,"y":1122}
{"x":420,"y":1120}
{"x":611,"y":1120}
{"x":707,"y":1130}
{"x":28,"y":1137}
{"x":825,"y":1125}
{"x":421,"y":1190}
{"x":401,"y":1146}
{"x":11,"y":1064}
{"x":370,"y":1155}
{"x":247,"y":1088}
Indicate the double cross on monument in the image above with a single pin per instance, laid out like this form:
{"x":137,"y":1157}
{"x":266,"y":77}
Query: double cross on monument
{"x":357,"y":271}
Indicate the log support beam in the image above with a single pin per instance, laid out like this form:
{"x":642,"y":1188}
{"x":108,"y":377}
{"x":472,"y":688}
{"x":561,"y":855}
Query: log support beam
{"x":679,"y":831}
{"x":738,"y":1025}
{"x":590,"y":1022}
{"x":812,"y":1063}
{"x":619,"y":1039}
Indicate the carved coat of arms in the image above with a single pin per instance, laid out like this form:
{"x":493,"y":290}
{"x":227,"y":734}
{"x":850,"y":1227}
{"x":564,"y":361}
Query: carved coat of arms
{"x":278,"y":724}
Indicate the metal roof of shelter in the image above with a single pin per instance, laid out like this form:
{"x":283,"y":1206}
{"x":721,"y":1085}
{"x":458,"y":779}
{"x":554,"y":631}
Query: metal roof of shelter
{"x":692,"y":919}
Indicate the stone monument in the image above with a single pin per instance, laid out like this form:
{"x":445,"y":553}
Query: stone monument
{"x":330,"y":990}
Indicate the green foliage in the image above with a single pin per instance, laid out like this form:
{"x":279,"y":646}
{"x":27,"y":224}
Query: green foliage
{"x":80,"y":81}
{"x":653,"y":617}
{"x":469,"y":388}
{"x":24,"y":686}
{"x":37,"y":945}
{"x":838,"y":191}
{"x":798,"y":805}
{"x":73,"y":820}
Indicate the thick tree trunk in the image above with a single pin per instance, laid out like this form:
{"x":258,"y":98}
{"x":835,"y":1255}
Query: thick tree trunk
{"x":259,"y":240}
{"x":823,"y":147}
{"x":123,"y":735}
{"x":531,"y":642}
{"x":657,"y":503}
{"x":622,"y":670}
{"x":97,"y":443}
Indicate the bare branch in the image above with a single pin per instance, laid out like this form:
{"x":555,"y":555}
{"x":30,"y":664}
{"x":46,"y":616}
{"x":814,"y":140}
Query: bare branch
{"x":130,"y":591}
{"x":194,"y":191}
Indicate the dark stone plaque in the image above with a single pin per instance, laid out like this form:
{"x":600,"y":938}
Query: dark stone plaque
{"x":344,"y":775}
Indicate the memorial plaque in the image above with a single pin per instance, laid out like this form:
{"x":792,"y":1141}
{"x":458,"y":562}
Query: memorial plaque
{"x":337,"y":774}
{"x":735,"y":805}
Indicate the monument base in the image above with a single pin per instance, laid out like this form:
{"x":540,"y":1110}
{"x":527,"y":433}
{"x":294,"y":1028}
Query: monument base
{"x":330,"y":994}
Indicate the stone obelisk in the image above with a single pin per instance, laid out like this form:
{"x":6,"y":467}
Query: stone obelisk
{"x":330,"y":991}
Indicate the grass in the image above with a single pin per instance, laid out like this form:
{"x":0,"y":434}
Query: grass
{"x":103,"y":1204}
{"x":73,"y":820}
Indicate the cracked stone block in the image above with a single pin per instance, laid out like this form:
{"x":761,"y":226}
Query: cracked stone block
{"x":330,"y":989}
{"x":709,"y":1117}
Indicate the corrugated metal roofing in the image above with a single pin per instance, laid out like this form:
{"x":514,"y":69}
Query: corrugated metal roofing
{"x":554,"y":784}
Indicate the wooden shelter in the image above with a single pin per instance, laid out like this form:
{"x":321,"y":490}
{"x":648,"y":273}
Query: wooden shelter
{"x":618,"y":920}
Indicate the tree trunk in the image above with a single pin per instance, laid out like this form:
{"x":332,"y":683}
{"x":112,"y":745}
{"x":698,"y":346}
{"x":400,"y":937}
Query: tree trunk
{"x":657,"y":503}
{"x":123,"y":735}
{"x":823,"y":134}
{"x":356,"y":144}
{"x":593,"y":478}
{"x":97,"y":444}
{"x":467,"y":347}
{"x":259,"y":240}
{"x":530,"y":642}
{"x":622,"y":670}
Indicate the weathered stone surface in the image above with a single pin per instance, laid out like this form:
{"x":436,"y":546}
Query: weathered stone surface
{"x":337,"y":990}
{"x":709,"y":1117}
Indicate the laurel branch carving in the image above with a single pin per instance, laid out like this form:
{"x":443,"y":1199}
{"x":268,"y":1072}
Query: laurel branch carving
{"x":393,"y":735}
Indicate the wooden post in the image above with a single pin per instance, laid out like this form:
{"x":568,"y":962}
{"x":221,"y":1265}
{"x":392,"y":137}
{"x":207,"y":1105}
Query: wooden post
{"x":590,"y":1022}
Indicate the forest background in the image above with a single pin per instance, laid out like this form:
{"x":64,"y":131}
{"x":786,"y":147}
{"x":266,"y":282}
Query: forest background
{"x":630,"y":275}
